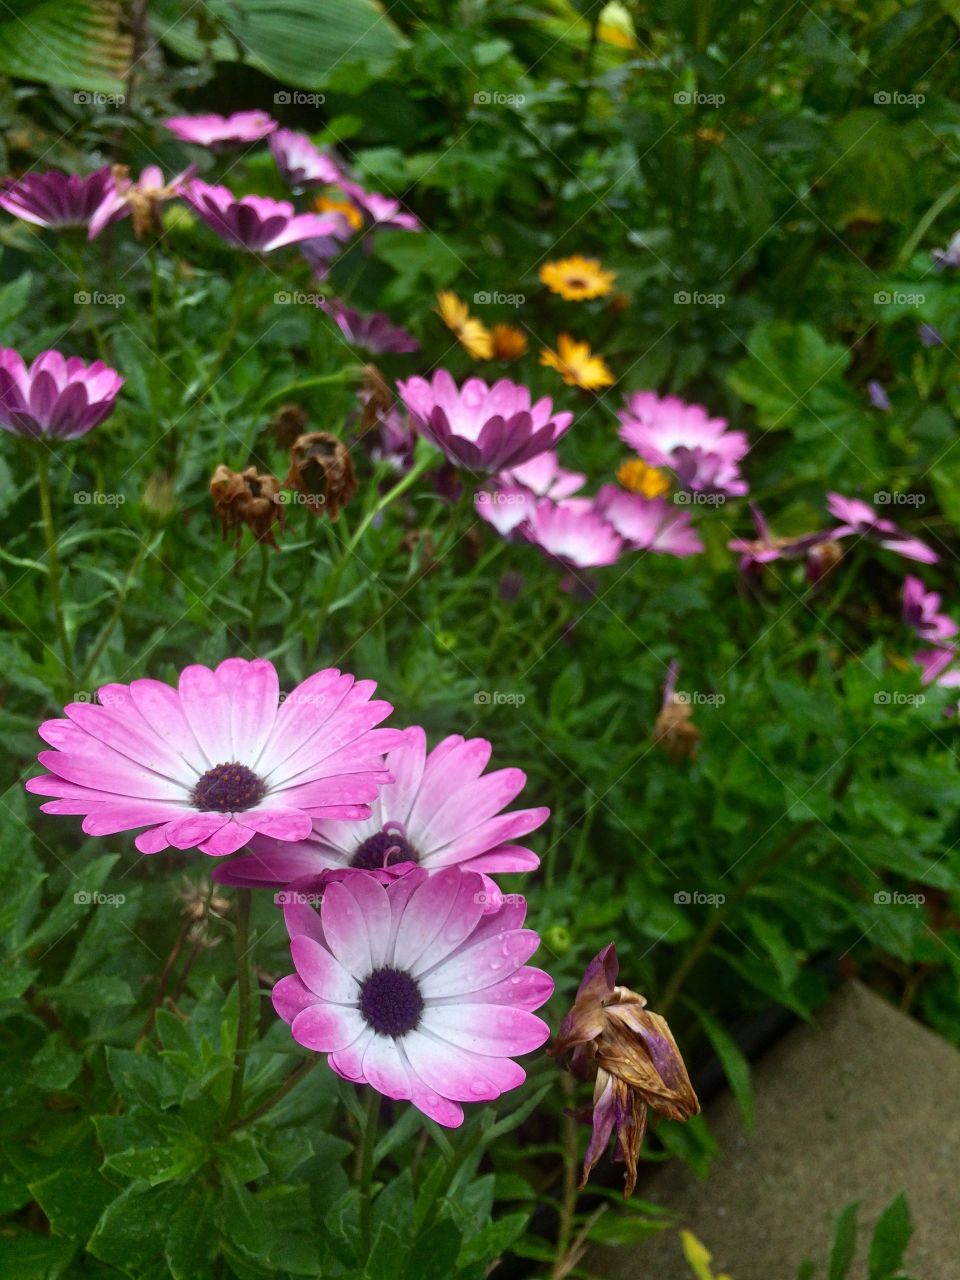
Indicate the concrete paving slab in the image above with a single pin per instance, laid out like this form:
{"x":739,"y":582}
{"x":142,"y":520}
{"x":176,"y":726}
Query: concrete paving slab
{"x":860,"y":1105}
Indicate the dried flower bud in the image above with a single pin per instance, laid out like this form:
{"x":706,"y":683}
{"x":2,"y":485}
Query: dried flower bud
{"x":287,"y":424}
{"x":609,"y":1036}
{"x":247,"y":499}
{"x":675,"y":730}
{"x":376,"y":399}
{"x":321,"y":468}
{"x":822,"y":559}
{"x":159,"y":499}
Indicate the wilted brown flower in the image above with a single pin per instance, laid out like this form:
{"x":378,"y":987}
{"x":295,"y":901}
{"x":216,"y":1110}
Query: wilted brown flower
{"x":611,"y":1037}
{"x":375,"y":398}
{"x":822,"y":559}
{"x":288,"y":422}
{"x":321,"y":468}
{"x":247,"y":498}
{"x":674,"y":729}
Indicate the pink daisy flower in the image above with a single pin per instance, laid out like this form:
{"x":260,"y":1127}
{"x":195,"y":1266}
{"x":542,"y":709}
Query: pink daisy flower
{"x":515,"y":492}
{"x":481,"y":428}
{"x":381,"y":211}
{"x":441,"y":810}
{"x":219,"y":759}
{"x":301,"y":162}
{"x":648,"y":524}
{"x":257,"y":223}
{"x":57,"y":397}
{"x":219,"y":131}
{"x":921,"y":610}
{"x":375,"y":332}
{"x":150,"y":187}
{"x":413,"y":989}
{"x":55,"y":199}
{"x":573,"y":533}
{"x":668,"y":432}
{"x":860,"y":518}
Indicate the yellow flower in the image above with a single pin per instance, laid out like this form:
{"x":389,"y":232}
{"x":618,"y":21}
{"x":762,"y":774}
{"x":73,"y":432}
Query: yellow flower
{"x":577,"y":278}
{"x":472,"y":335}
{"x":576,"y":364}
{"x":509,"y":343}
{"x":639,"y":478}
{"x":699,"y":1257}
{"x":325,"y":204}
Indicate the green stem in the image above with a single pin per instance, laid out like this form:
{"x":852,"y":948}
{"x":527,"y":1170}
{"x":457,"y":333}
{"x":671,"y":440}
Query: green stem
{"x":80,"y":272}
{"x":53,"y":563}
{"x":244,"y":963}
{"x":350,"y":373}
{"x":390,"y":496}
{"x":367,"y":1165}
{"x":239,"y":302}
{"x":108,"y":630}
{"x":568,"y":1203}
{"x":292,"y":1080}
{"x":928,"y":219}
{"x":261,"y":594}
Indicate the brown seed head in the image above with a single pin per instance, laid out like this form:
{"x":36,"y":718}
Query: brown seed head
{"x":287,"y":424}
{"x":321,"y":468}
{"x":247,"y":498}
{"x":675,"y":730}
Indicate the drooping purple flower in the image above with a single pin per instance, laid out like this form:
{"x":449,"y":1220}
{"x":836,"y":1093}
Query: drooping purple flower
{"x":668,"y":432}
{"x":375,"y":332}
{"x":767,"y":547}
{"x":255,"y":223}
{"x":859,"y":517}
{"x":483,"y":429}
{"x":948,"y":258}
{"x":141,"y":198}
{"x":921,"y":610}
{"x":381,"y":211}
{"x":57,"y":397}
{"x":877,"y":395}
{"x":301,"y":162}
{"x":513,"y":494}
{"x":222,"y":131}
{"x":929,"y":336}
{"x":648,"y":524}
{"x":936,"y":667}
{"x":57,"y":200}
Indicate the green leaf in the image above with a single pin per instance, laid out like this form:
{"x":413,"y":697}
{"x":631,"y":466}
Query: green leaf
{"x":735,"y":1065}
{"x":787,"y":365}
{"x":492,"y":1240}
{"x":890,"y":1240}
{"x":75,"y":43}
{"x":844,"y":1243}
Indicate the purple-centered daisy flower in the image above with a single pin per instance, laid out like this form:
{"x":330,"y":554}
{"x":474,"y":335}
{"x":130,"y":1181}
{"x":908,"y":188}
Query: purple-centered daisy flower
{"x":481,"y":428}
{"x":668,"y":432}
{"x":572,"y":532}
{"x":57,"y":397}
{"x":506,"y":503}
{"x":256,"y":223}
{"x":375,"y":332}
{"x":860,"y":518}
{"x":55,"y":199}
{"x":921,"y":610}
{"x":440,"y":810}
{"x":222,"y":131}
{"x":414,"y":989}
{"x":219,"y":759}
{"x":648,"y":524}
{"x":301,"y":162}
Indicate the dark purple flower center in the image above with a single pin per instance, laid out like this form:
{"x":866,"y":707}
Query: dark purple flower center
{"x":228,"y":788}
{"x":381,"y":850}
{"x":390,"y":1002}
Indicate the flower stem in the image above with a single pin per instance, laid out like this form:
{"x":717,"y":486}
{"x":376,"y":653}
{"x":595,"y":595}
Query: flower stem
{"x":261,"y":594}
{"x":244,"y":962}
{"x":53,"y":562}
{"x":115,"y":616}
{"x":292,"y":1080}
{"x":568,"y":1203}
{"x":367,"y":1163}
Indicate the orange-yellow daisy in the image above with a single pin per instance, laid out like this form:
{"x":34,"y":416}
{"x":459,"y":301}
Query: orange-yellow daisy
{"x":473,"y":336}
{"x":509,"y":342}
{"x":326,"y":204}
{"x":577,"y":279}
{"x":638,"y":477}
{"x":576,"y":364}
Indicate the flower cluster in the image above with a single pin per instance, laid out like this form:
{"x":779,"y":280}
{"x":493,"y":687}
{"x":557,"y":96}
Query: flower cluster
{"x":412,"y":975}
{"x":667,"y":432}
